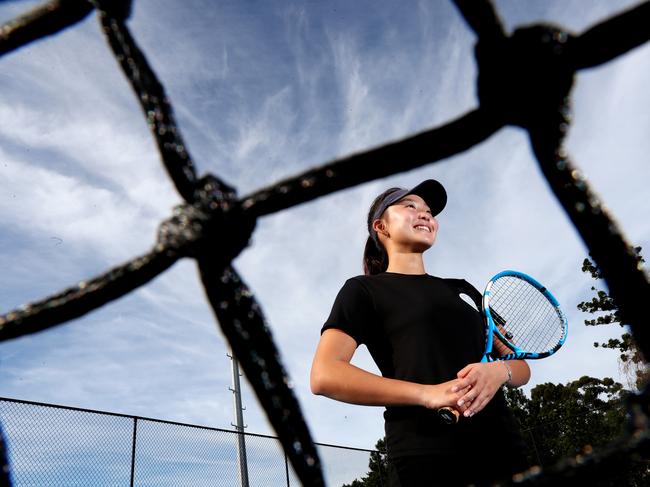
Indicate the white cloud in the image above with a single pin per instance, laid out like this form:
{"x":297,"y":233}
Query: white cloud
{"x":260,"y":99}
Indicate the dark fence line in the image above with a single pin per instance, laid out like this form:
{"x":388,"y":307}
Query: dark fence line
{"x":56,"y":445}
{"x":524,"y":79}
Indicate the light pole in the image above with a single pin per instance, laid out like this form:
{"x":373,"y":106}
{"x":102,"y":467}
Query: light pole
{"x":239,"y":422}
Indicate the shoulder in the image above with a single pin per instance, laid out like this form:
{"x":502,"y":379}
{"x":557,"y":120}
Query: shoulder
{"x":364,"y":278}
{"x":461,"y":284}
{"x":356,"y":286}
{"x":370,"y":287}
{"x":360,"y":284}
{"x":361,"y":281}
{"x":374,"y":283}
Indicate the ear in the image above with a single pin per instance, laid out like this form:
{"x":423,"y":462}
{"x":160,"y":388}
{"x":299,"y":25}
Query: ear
{"x":379,"y":226}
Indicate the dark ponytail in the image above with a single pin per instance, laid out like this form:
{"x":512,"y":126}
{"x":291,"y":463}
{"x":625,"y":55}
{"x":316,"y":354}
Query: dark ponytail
{"x":375,"y":257}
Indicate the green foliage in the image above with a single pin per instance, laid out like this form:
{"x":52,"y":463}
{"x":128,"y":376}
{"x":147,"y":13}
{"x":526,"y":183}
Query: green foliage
{"x":560,"y":421}
{"x":608,"y":313}
{"x":377,"y":469}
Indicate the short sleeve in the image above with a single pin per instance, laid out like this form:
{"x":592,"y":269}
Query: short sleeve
{"x":352,"y":311}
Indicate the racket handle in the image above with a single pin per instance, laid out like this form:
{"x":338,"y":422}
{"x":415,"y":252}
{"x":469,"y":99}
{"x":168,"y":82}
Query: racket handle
{"x":448,"y":415}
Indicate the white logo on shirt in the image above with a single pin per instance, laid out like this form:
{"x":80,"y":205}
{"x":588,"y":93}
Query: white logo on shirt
{"x":468,"y":300}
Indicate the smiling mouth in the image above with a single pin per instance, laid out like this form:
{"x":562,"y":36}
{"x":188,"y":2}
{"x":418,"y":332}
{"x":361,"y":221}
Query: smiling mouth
{"x":423,"y":228}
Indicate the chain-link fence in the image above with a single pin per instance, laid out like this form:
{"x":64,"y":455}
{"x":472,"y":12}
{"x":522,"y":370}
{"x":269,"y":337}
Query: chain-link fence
{"x":59,"y":446}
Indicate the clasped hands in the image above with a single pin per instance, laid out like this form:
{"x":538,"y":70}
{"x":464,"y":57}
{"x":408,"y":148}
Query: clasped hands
{"x":484,"y":379}
{"x":475,"y":385}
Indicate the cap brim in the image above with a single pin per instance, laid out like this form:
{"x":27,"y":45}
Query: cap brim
{"x":433,"y":193}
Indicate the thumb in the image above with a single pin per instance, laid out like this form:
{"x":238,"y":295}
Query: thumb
{"x":464,"y":371}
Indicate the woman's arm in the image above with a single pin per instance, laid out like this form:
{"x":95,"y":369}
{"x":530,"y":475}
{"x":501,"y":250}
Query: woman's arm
{"x":518,"y":368}
{"x":520,"y":372}
{"x":333,"y":376}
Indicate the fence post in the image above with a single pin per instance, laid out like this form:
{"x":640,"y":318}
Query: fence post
{"x":286,"y":467}
{"x":532,"y":437}
{"x":5,"y":472}
{"x":239,"y":422}
{"x":135,"y":429}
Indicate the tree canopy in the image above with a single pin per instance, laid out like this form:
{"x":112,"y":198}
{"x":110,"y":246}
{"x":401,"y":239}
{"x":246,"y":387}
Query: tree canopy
{"x":377,"y":469}
{"x":607,"y":312}
{"x":564,"y":420}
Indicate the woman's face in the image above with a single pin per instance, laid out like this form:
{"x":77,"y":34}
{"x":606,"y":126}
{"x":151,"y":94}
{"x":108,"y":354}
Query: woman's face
{"x":407,"y":225}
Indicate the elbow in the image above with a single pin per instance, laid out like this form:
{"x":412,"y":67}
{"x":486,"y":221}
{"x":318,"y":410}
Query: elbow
{"x":317,"y":382}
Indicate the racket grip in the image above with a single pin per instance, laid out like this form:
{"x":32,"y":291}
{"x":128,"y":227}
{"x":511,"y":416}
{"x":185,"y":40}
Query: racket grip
{"x":448,"y":415}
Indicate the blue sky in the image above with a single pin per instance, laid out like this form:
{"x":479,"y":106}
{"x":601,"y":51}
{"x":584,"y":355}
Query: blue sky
{"x":262,"y":91}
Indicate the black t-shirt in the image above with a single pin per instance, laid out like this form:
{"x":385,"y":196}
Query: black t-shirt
{"x":419,"y":328}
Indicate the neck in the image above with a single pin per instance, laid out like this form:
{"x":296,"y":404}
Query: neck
{"x":406,"y":263}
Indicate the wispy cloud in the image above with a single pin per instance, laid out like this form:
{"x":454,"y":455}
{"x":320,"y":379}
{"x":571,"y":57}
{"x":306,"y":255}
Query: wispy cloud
{"x":260,"y":97}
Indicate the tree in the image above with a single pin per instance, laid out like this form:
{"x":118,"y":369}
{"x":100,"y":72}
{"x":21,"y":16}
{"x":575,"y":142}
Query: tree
{"x":608,"y":313}
{"x":377,"y":469}
{"x":560,"y":421}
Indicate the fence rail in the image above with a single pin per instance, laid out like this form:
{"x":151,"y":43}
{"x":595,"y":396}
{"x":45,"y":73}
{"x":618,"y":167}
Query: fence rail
{"x":62,"y":446}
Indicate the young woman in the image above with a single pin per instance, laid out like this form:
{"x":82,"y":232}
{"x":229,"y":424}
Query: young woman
{"x":427,"y":341}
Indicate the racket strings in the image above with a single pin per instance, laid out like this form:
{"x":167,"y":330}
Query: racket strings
{"x":529,"y":320}
{"x":524,"y":316}
{"x":529,"y":325}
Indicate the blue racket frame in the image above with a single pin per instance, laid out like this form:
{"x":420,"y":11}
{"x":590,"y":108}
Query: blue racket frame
{"x":449,"y":415}
{"x":492,"y":329}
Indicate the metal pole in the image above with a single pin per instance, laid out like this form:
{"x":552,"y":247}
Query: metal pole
{"x":532,"y":437}
{"x":135,"y":429}
{"x":239,"y":422}
{"x":5,"y":469}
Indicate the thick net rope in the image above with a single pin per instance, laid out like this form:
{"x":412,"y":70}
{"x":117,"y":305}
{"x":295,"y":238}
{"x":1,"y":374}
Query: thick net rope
{"x":524,"y":79}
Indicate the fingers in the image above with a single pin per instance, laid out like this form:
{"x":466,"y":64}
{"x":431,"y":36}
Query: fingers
{"x":475,"y":400}
{"x":476,"y":406}
{"x":470,"y":408}
{"x":481,"y":382}
{"x":443,"y":395}
{"x":465,"y":370}
{"x":462,"y":372}
{"x":461,"y":384}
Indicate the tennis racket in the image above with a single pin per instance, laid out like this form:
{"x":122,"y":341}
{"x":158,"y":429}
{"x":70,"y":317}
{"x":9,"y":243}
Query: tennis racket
{"x":524,"y":316}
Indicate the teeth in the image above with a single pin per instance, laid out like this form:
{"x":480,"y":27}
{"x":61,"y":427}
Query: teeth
{"x":422,"y":227}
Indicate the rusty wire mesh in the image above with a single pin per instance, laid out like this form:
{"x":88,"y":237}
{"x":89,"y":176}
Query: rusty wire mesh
{"x":524,"y":79}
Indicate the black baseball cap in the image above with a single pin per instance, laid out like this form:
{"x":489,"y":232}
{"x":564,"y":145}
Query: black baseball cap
{"x":431,"y":191}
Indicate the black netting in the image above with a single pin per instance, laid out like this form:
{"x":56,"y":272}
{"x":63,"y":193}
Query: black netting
{"x":525,"y":79}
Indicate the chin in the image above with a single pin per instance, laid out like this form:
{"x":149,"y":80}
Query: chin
{"x":422,"y":246}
